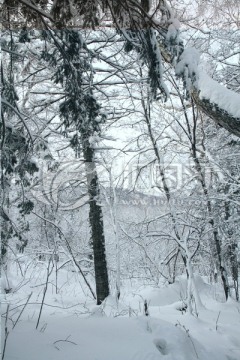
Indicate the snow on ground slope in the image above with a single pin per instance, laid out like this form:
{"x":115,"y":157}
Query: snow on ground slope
{"x":104,"y":338}
{"x":73,"y":327}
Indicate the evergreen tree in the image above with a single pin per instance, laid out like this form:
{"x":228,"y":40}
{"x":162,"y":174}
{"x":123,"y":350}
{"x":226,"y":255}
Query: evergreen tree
{"x":81,"y":113}
{"x":16,"y":161}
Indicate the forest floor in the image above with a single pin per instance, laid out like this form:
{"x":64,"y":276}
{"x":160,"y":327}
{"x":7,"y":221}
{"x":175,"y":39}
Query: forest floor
{"x":72,"y":327}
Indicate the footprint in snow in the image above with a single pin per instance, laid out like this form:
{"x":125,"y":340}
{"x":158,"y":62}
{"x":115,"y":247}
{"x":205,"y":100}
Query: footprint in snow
{"x":161,"y":345}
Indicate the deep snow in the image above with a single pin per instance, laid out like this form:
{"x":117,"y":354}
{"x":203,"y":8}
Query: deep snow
{"x":73,"y":327}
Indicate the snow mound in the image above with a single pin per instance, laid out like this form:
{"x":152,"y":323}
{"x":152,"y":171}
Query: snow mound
{"x":166,"y":295}
{"x":104,"y":339}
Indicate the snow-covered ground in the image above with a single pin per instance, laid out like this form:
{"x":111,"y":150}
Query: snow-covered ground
{"x":73,"y":327}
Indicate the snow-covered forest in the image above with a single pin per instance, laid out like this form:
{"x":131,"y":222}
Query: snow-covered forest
{"x":120,"y":180}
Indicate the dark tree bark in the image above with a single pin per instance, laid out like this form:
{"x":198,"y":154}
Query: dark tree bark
{"x":232,"y":249}
{"x":96,"y":224}
{"x":221,"y":117}
{"x":81,"y":111}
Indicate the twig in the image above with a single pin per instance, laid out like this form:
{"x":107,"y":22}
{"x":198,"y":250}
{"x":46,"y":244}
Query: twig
{"x":43,"y":328}
{"x":6,"y":333}
{"x":66,"y":340}
{"x":61,"y":234}
{"x":187,"y":332}
{"x":217,"y":320}
{"x":45,"y":304}
{"x":29,"y":296}
{"x":5,"y":102}
{"x":44,"y":292}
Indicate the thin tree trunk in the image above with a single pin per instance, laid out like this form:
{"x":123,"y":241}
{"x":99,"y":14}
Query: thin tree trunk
{"x":5,"y":231}
{"x":183,"y":246}
{"x":216,"y":239}
{"x":232,"y":252}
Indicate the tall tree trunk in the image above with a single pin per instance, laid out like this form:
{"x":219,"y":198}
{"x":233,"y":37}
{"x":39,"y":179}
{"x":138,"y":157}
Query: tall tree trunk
{"x":5,"y":232}
{"x":182,"y":245}
{"x":217,"y":247}
{"x":232,"y":251}
{"x":96,"y":224}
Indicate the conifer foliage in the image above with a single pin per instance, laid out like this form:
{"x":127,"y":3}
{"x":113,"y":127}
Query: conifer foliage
{"x":81,"y":113}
